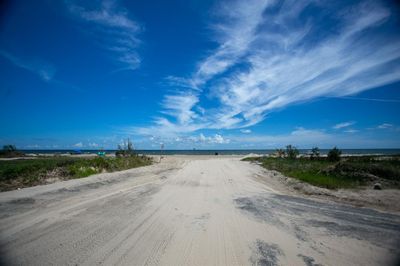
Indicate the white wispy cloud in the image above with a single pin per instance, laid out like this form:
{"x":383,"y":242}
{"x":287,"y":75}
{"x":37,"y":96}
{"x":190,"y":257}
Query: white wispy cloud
{"x":39,"y":67}
{"x":300,"y":137}
{"x":370,"y":99}
{"x":181,"y":82}
{"x":32,"y":146}
{"x":93,"y":145}
{"x":292,"y":71}
{"x":234,"y":34}
{"x":78,"y":145}
{"x":87,"y":145}
{"x":385,"y":126}
{"x":188,"y":141}
{"x":269,"y":57}
{"x":180,"y":106}
{"x":219,"y":139}
{"x":343,"y":125}
{"x":114,"y":30}
{"x":202,"y":139}
{"x":245,"y":131}
{"x":307,"y":138}
{"x":163,"y":127}
{"x":351,"y":131}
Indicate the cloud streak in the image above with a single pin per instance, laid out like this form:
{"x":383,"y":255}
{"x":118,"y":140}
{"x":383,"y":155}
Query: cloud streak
{"x":270,"y":56}
{"x":343,"y":125}
{"x":43,"y":69}
{"x":234,"y":35}
{"x":371,"y":99}
{"x":307,"y":138}
{"x":114,"y":30}
{"x":385,"y":126}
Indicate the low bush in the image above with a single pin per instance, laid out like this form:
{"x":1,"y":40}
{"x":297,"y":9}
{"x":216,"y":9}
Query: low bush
{"x":314,"y":153}
{"x":334,"y":155}
{"x":28,"y":172}
{"x":291,"y":152}
{"x":10,"y":151}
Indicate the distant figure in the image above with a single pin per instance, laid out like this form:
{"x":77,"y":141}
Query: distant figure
{"x":216,"y":153}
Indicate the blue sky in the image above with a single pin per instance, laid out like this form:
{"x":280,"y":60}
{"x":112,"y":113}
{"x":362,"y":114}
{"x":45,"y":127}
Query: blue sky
{"x":200,"y":74}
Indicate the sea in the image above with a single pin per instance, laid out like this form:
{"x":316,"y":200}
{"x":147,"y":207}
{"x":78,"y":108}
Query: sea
{"x":224,"y":152}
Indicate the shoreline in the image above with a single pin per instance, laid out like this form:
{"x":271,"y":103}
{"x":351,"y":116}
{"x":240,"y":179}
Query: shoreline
{"x":203,"y":153}
{"x":345,"y":152}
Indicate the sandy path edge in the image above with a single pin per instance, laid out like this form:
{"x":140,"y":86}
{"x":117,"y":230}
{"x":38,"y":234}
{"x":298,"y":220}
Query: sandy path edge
{"x":385,"y":200}
{"x":142,"y":175}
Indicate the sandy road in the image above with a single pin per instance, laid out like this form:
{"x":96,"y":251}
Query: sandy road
{"x":209,"y":211}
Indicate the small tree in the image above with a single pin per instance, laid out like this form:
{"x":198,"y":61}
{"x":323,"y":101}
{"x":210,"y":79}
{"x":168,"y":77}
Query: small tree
{"x":130,"y":146}
{"x":315,"y":153}
{"x":291,"y":152}
{"x":280,"y":153}
{"x":9,"y":148}
{"x":334,"y":154}
{"x":126,"y":150}
{"x":10,"y":151}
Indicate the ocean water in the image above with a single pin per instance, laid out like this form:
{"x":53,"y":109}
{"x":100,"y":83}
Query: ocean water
{"x":230,"y":152}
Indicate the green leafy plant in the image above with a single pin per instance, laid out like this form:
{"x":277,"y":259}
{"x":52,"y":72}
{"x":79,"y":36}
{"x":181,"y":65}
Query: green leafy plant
{"x":314,"y":153}
{"x":126,"y":149}
{"x":10,"y":151}
{"x":292,"y":152}
{"x":334,"y":154}
{"x":9,"y":148}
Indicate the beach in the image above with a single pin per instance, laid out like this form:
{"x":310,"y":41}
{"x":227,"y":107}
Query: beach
{"x":189,"y":210}
{"x":200,"y":133}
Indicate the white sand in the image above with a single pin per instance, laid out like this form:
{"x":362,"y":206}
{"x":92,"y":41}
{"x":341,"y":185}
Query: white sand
{"x":186,"y":210}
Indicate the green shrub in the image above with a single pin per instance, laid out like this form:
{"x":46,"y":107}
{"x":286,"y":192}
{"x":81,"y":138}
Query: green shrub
{"x":334,"y":155}
{"x":314,"y":153}
{"x":292,"y":152}
{"x":78,"y":171}
{"x":126,"y":150}
{"x":10,"y":151}
{"x":9,"y":148}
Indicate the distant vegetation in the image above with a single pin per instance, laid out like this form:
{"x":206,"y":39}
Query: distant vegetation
{"x":334,"y":171}
{"x":334,"y":155}
{"x":291,"y":152}
{"x":10,"y":151}
{"x":126,"y":149}
{"x":35,"y":171}
{"x":314,"y":153}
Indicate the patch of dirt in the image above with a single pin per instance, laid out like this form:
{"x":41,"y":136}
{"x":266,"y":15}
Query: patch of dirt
{"x":265,"y":254}
{"x":23,"y":201}
{"x":55,"y":175}
{"x":309,"y":261}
